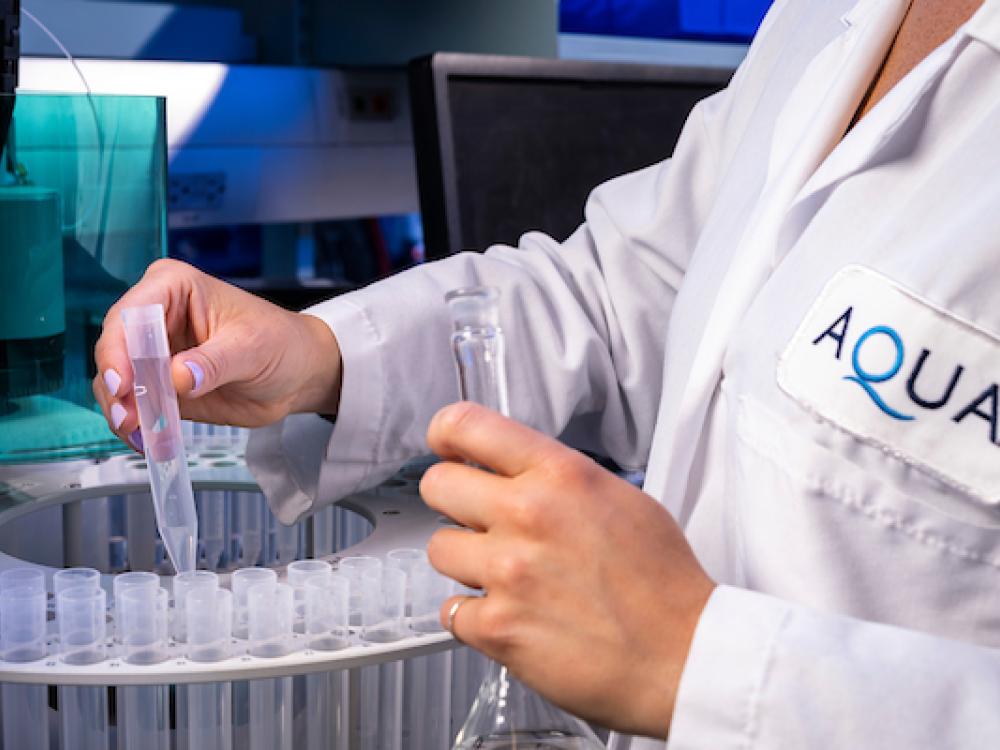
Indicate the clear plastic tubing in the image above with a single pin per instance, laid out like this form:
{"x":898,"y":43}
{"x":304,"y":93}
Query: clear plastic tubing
{"x":22,"y":638}
{"x":241,"y":582}
{"x":209,"y":615}
{"x":160,"y":422}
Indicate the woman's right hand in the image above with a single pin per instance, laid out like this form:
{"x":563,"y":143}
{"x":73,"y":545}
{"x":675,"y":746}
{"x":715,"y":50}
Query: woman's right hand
{"x":237,"y":359}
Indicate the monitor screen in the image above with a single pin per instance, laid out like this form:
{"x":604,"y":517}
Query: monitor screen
{"x":522,"y":147}
{"x":715,"y":20}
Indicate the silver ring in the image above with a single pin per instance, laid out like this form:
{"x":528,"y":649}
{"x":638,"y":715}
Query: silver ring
{"x":454,"y":611}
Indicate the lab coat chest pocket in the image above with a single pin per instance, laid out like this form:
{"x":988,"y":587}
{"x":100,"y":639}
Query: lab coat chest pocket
{"x":818,"y":528}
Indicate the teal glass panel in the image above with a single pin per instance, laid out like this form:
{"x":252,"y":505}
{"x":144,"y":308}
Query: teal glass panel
{"x":82,"y":214}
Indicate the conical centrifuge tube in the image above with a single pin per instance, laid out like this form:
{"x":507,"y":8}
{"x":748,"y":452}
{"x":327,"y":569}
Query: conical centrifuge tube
{"x":505,"y":714}
{"x":162,"y":437}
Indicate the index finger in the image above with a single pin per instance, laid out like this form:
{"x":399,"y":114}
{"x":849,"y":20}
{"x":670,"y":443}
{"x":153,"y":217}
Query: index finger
{"x":111,"y":352}
{"x":470,"y":432}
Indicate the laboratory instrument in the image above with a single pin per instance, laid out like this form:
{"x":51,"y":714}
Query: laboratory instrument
{"x":506,"y":713}
{"x":160,"y":421}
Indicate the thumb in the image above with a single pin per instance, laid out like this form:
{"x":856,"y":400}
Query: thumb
{"x":204,"y":368}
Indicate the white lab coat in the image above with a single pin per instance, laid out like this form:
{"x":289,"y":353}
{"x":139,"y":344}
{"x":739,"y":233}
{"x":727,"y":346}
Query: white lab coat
{"x":859,"y":555}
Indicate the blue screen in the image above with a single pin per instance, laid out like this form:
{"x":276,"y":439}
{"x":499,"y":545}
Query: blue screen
{"x":723,"y":20}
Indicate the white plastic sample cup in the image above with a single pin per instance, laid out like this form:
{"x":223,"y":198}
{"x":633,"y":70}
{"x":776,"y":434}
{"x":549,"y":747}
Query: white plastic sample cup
{"x":23,"y":577}
{"x":407,"y":559}
{"x":80,"y":613}
{"x":299,"y":572}
{"x":71,"y":577}
{"x":124,"y":581}
{"x":184,"y":584}
{"x":270,"y":610}
{"x":22,"y":620}
{"x":209,"y":624}
{"x":355,"y":568}
{"x":428,"y":590}
{"x":383,"y":606}
{"x":241,"y":582}
{"x":143,"y":625}
{"x":328,"y":612}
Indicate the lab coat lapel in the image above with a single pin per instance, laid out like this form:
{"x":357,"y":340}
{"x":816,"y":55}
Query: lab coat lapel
{"x":711,"y":304}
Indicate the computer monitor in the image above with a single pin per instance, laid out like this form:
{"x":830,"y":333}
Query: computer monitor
{"x":505,"y":145}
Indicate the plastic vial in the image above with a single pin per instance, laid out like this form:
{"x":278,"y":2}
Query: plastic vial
{"x":160,"y":422}
{"x":269,"y":606}
{"x":70,"y":577}
{"x":22,"y":615}
{"x":506,"y":714}
{"x":328,"y":612}
{"x":80,"y":612}
{"x":241,"y":582}
{"x":184,"y":584}
{"x":143,"y":625}
{"x":22,"y":577}
{"x":428,"y":591}
{"x":383,"y":606}
{"x":209,"y":615}
{"x":354,"y":568}
{"x":299,"y":573}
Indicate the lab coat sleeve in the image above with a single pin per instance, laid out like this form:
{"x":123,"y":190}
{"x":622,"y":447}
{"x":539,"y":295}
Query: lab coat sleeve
{"x":766,"y":674}
{"x":584,"y":319}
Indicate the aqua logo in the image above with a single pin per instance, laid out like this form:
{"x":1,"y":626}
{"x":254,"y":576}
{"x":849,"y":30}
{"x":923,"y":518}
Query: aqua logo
{"x":984,"y":405}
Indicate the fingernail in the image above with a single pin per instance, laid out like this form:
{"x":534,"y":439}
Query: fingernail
{"x":113,"y":381}
{"x":118,"y":415}
{"x":136,"y":440}
{"x":197,"y":373}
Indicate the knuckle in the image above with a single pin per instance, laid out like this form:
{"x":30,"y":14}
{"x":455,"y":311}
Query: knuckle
{"x":166,"y":266}
{"x":570,"y":469}
{"x":510,"y":571}
{"x":496,"y":626}
{"x":524,"y":511}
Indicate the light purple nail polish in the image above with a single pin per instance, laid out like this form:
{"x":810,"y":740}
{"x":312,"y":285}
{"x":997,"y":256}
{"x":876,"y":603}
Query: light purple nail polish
{"x":118,"y":415}
{"x":112,"y":381}
{"x":136,"y":440}
{"x":197,"y":373}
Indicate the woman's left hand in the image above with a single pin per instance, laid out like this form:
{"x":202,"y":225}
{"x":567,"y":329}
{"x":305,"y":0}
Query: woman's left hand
{"x":593,"y":592}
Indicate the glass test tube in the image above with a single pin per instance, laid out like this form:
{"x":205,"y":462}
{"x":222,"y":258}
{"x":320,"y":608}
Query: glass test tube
{"x":159,"y":420}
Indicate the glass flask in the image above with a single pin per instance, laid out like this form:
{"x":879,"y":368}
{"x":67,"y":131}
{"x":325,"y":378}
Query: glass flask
{"x":506,"y":715}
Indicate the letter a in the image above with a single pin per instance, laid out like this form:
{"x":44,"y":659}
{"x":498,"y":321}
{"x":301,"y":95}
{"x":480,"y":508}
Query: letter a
{"x":840,"y":323}
{"x":990,"y":394}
